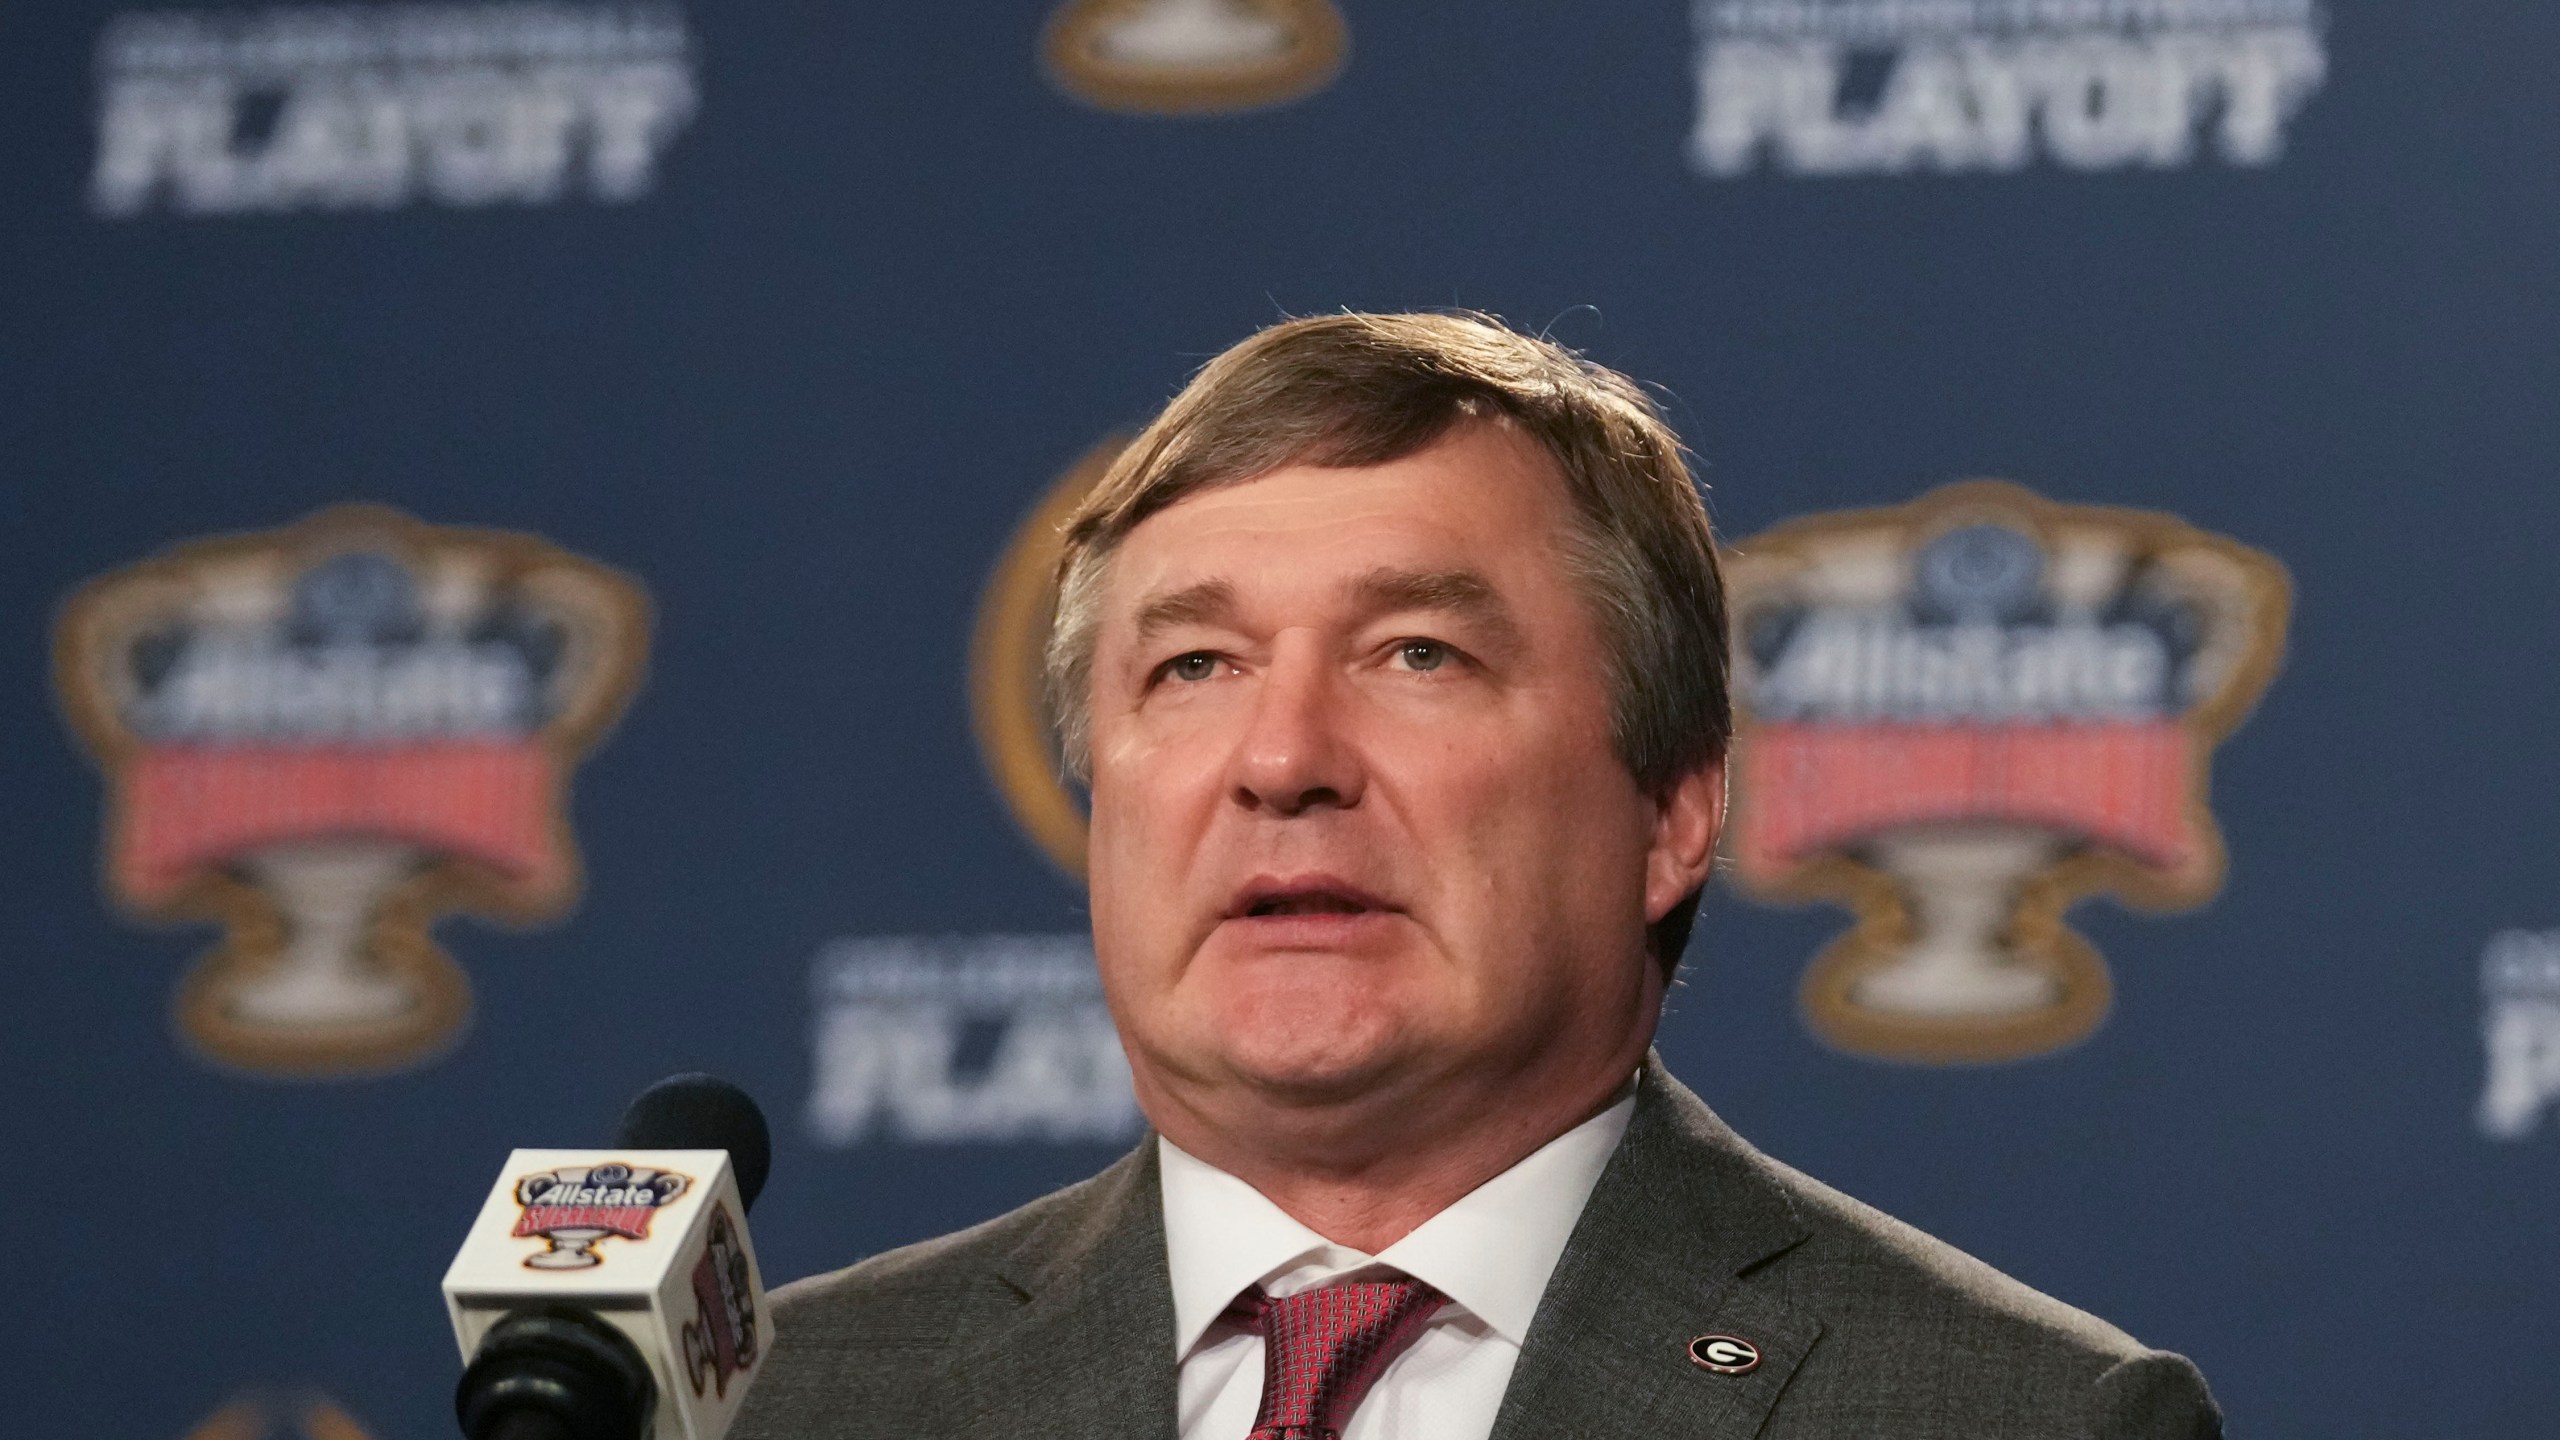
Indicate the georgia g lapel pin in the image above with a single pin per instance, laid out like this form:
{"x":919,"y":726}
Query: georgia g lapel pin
{"x":1725,"y":1354}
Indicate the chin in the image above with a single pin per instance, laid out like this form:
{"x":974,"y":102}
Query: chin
{"x":1312,"y":1080}
{"x":1313,"y":1052}
{"x":1312,"y":1025}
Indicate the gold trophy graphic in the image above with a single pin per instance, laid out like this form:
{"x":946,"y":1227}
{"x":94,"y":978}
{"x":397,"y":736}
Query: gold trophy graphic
{"x":266,"y":1415}
{"x":1962,"y":715}
{"x":1184,"y":57}
{"x":324,"y":737}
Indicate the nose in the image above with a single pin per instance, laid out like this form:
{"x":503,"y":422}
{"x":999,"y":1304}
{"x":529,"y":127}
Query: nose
{"x":1294,"y":755}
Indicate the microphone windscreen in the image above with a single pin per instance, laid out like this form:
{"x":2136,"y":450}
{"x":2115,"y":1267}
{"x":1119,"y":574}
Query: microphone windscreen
{"x":702,"y":1112}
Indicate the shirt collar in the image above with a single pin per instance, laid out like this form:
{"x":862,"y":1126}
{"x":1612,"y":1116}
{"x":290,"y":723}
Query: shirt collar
{"x":1220,"y":1237}
{"x":1491,"y":1252}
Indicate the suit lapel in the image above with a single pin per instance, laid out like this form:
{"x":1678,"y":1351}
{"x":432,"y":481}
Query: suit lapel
{"x":1682,"y":1211}
{"x":1090,"y":1352}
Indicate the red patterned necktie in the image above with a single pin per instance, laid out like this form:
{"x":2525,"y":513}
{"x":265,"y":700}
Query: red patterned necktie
{"x":1323,"y":1348}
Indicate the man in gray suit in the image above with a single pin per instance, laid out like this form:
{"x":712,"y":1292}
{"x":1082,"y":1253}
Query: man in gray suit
{"x":1393,"y":654}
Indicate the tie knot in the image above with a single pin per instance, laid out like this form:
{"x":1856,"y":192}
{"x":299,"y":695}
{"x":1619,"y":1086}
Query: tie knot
{"x":1323,"y":1348}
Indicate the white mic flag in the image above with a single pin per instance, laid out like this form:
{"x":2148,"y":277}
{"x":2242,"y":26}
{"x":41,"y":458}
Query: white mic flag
{"x":651,"y":1242}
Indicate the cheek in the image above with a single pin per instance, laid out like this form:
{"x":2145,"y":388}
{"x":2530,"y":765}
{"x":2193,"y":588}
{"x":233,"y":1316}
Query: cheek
{"x":1146,"y":799}
{"x":1548,"y":852}
{"x":1125,"y":885}
{"x":1526,"y":802}
{"x":1149,"y":815}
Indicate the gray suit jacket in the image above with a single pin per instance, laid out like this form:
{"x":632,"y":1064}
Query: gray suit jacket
{"x":1057,"y":1320}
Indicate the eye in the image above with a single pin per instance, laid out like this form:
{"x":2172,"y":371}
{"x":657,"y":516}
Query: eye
{"x":1422,"y":654}
{"x":1198,"y":665}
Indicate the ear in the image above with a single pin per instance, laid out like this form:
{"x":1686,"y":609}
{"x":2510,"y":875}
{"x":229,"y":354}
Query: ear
{"x":1687,"y":820}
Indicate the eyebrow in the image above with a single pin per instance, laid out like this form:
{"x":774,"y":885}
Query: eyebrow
{"x":1458,"y":592}
{"x":1200,"y":604}
{"x":1463,"y":593}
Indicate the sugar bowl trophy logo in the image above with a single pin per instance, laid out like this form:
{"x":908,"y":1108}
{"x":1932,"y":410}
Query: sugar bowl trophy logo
{"x":571,"y":1209}
{"x":1189,"y":57}
{"x":1960,"y":716}
{"x":720,"y":1339}
{"x":324,"y":737}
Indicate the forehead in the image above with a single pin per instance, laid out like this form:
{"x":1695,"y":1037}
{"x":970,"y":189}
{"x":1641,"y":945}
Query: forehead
{"x":1483,"y":499}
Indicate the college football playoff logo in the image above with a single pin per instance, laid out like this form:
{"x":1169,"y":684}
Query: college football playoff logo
{"x":1962,"y":715}
{"x":1175,"y":57}
{"x":324,"y":737}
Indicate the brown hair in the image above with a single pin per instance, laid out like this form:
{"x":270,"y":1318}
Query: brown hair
{"x":1359,"y":389}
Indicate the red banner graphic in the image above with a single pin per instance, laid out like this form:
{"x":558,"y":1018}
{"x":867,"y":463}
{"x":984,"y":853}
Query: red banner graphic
{"x":188,"y":806}
{"x":1809,"y":788}
{"x":630,"y":1221}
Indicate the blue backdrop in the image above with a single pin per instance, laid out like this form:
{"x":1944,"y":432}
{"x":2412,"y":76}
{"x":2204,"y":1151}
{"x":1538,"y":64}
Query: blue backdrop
{"x":860,"y":282}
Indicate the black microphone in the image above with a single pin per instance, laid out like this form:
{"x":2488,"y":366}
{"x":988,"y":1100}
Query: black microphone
{"x":695,"y":1111}
{"x":610,"y":1295}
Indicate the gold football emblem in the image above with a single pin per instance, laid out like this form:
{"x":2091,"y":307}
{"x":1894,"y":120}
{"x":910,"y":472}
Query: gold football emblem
{"x":1178,"y":57}
{"x":258,"y":1416}
{"x":1004,"y":667}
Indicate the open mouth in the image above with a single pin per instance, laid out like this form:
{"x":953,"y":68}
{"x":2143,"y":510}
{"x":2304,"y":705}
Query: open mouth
{"x":1266,"y":901}
{"x":1305,"y":905}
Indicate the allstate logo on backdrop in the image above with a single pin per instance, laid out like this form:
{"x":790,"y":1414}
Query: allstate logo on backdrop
{"x":326,"y":736}
{"x":1177,"y":57}
{"x":211,"y":112}
{"x":2520,"y":1029}
{"x":1871,"y":87}
{"x":1961,"y":715}
{"x":966,"y":1038}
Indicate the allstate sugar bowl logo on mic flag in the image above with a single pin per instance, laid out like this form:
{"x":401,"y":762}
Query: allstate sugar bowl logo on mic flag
{"x":1172,"y":57}
{"x":574,"y":1207}
{"x":1960,"y":716}
{"x":324,"y":737}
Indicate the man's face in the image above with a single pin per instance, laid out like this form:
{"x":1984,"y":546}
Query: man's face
{"x":1358,"y":827}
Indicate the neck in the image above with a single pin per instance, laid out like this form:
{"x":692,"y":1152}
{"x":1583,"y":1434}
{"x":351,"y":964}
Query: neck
{"x":1365,"y":1175}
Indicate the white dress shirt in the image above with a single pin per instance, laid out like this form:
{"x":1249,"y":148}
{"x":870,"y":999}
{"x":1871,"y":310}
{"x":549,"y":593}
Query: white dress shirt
{"x":1490,"y":1253}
